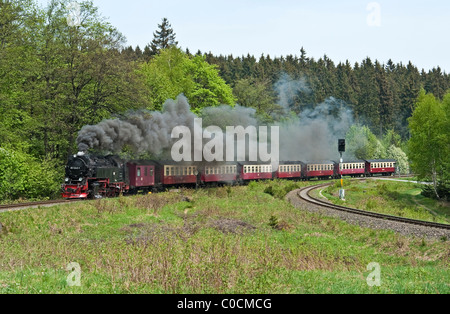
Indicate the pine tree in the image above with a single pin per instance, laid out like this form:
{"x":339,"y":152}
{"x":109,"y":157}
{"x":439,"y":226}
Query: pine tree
{"x":435,"y":83}
{"x":303,"y":59}
{"x":387,"y":109}
{"x":344,"y":88}
{"x":369,"y":100}
{"x":163,"y":38}
{"x":147,"y":54}
{"x":138,"y":52}
{"x":409,"y":88}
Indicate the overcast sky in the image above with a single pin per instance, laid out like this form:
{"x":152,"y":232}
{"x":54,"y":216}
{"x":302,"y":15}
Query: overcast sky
{"x":413,"y":30}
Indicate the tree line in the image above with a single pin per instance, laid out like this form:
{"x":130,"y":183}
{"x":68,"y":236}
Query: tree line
{"x":381,"y":95}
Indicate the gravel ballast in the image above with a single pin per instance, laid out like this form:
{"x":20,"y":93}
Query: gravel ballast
{"x":368,"y":222}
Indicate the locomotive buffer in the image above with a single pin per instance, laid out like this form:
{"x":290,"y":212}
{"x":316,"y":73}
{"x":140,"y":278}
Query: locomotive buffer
{"x":341,"y":145}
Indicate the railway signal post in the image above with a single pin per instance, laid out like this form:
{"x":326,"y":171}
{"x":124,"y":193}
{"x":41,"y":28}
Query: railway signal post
{"x":341,"y":145}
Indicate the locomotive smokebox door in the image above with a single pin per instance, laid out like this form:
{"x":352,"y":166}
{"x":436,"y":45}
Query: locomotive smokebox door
{"x":341,"y":146}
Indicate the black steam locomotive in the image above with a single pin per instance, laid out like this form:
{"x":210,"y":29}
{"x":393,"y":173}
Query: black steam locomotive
{"x":91,"y":175}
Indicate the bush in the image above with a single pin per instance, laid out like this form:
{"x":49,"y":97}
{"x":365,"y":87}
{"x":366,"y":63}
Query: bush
{"x":397,"y":153}
{"x":253,"y":185}
{"x":371,"y":205}
{"x":382,"y":189}
{"x":270,"y":190}
{"x":22,"y":176}
{"x":443,"y":190}
{"x":280,"y":190}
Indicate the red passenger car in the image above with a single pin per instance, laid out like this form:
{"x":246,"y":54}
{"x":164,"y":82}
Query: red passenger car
{"x":177,"y":173}
{"x":221,"y":173}
{"x":141,"y":174}
{"x":290,"y":170}
{"x":255,"y":171}
{"x":384,"y":167}
{"x":320,"y":170}
{"x":352,"y":168}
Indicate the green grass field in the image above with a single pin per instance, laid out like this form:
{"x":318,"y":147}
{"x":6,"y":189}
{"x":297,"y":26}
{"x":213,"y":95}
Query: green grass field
{"x":217,"y":240}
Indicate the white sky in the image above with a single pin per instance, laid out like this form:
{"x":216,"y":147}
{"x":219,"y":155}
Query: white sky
{"x":413,"y":30}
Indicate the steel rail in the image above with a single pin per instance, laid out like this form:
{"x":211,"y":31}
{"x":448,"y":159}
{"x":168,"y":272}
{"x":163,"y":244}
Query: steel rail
{"x":7,"y":207}
{"x":305,"y":194}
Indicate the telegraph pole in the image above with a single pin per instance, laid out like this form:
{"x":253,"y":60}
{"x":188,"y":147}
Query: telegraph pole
{"x":341,"y":145}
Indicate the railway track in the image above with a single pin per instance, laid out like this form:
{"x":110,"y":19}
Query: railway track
{"x":305,"y":195}
{"x":12,"y":207}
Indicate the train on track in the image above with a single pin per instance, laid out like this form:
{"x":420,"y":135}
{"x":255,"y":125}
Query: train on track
{"x":91,"y":176}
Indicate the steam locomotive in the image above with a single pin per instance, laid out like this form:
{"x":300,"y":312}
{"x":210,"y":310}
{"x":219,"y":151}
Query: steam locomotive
{"x":91,"y":176}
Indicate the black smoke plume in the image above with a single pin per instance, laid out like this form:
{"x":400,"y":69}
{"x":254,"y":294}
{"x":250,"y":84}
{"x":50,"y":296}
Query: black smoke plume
{"x":142,"y":131}
{"x":310,"y":136}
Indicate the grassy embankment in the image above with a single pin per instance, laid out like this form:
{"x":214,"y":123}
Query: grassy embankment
{"x":221,"y":240}
{"x":389,"y":197}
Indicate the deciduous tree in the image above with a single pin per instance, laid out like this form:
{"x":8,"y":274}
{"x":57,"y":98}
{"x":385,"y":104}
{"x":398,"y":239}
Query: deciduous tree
{"x":429,"y":143}
{"x":173,"y":72}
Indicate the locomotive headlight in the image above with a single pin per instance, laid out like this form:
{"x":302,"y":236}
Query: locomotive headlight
{"x":80,"y":179}
{"x":67,"y":179}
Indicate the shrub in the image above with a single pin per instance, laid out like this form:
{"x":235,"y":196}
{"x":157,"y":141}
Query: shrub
{"x":273,"y":222}
{"x":443,"y":189}
{"x":23,"y":176}
{"x":280,"y":189}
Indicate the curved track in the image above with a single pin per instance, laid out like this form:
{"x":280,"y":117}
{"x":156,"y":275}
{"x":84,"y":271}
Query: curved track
{"x":304,"y":194}
{"x":12,"y":207}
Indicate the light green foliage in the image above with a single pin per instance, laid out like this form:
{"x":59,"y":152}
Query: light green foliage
{"x":363,"y":144}
{"x":54,"y":79}
{"x":429,"y":147}
{"x":380,"y":150}
{"x":258,"y":94}
{"x":19,"y":20}
{"x":57,"y":78}
{"x":86,"y":78}
{"x":22,"y":176}
{"x":446,"y":138}
{"x":392,"y":138}
{"x":12,"y":172}
{"x":396,"y":153}
{"x":172,"y":72}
